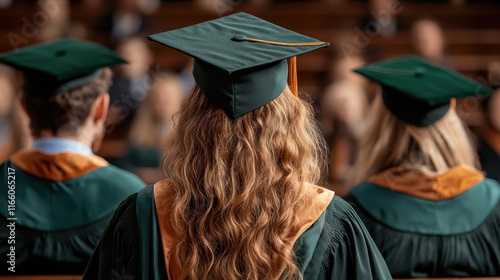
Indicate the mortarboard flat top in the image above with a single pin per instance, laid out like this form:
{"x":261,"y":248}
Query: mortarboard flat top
{"x":240,"y":60}
{"x":419,"y":92}
{"x":60,"y":65}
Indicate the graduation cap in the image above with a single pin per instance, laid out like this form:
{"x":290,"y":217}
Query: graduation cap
{"x":419,"y":92}
{"x":57,"y":66}
{"x":241,"y":60}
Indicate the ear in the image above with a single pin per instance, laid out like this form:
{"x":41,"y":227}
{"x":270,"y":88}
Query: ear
{"x":101,"y":107}
{"x":23,"y":105}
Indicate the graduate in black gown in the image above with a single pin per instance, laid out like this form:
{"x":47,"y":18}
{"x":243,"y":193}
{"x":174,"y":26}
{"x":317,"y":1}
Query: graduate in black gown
{"x":240,"y":199}
{"x":418,"y":189}
{"x":57,"y":197}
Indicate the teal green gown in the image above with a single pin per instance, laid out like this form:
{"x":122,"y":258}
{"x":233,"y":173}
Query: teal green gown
{"x":337,"y":246}
{"x":489,"y":159}
{"x":138,"y":157}
{"x":59,"y":221}
{"x":454,"y":237}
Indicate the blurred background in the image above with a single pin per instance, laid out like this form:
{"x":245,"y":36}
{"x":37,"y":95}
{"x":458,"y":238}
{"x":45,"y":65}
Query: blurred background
{"x":460,"y":34}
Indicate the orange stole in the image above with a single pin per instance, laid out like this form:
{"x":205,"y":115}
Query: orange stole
{"x":416,"y":183}
{"x":162,"y":193}
{"x":56,"y":167}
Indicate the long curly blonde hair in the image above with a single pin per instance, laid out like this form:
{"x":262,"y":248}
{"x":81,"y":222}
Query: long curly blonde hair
{"x":238,"y":185}
{"x":390,"y":142}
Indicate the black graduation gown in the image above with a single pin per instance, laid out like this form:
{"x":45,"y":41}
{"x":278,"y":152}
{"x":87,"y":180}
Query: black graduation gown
{"x":336,"y":246}
{"x":489,"y":159}
{"x":455,"y":237}
{"x":55,"y":224}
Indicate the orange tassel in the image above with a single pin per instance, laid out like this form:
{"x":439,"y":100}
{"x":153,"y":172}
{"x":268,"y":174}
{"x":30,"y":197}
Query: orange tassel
{"x":292,"y":75}
{"x":453,"y":103}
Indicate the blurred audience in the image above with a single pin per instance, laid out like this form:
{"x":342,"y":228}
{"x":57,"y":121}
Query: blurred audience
{"x":494,"y":74}
{"x":126,"y":18}
{"x":59,"y":23}
{"x":14,"y":124}
{"x":222,"y":7}
{"x":489,"y":142}
{"x":341,"y":69}
{"x":343,"y":113}
{"x":5,"y":3}
{"x":130,"y":83}
{"x":152,"y":127}
{"x":335,"y":2}
{"x":186,"y":76}
{"x":58,"y":20}
{"x":382,"y":18}
{"x":428,"y":41}
{"x":343,"y":106}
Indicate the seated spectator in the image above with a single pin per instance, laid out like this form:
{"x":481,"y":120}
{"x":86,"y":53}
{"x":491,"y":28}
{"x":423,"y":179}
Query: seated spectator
{"x":489,"y":142}
{"x":488,"y":147}
{"x":58,"y":23}
{"x":428,"y":41}
{"x":222,"y":7}
{"x":342,"y":69}
{"x":381,"y":19}
{"x":152,"y":128}
{"x":186,"y":76}
{"x":130,"y":87}
{"x":343,"y":110}
{"x":64,"y":194}
{"x":126,"y":18}
{"x":341,"y":126}
{"x":14,"y":127}
{"x":131,"y":81}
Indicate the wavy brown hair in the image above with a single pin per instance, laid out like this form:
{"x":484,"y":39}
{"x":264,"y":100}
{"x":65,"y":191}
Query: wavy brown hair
{"x":239,"y":184}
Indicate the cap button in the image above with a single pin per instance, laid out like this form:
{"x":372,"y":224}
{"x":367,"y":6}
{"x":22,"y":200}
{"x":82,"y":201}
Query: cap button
{"x":239,"y":38}
{"x":419,"y":71}
{"x":60,"y":53}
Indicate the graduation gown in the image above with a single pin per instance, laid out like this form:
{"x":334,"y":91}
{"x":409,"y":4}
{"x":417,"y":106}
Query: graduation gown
{"x":138,"y":157}
{"x":335,"y":245}
{"x":60,"y":205}
{"x":433,"y":226}
{"x":490,"y":160}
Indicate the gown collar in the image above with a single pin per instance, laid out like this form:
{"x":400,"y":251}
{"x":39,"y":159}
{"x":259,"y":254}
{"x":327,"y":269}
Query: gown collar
{"x":50,"y":145}
{"x":418,"y":183}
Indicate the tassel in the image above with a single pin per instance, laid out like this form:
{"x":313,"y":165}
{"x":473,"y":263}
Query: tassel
{"x":292,"y":75}
{"x":453,"y":103}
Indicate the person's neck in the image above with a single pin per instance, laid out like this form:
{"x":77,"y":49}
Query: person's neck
{"x":80,"y":137}
{"x":492,"y":136}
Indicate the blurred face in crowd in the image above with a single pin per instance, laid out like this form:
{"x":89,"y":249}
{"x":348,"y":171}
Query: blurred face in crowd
{"x":379,"y":5}
{"x":494,"y":72}
{"x":344,"y":101}
{"x":428,"y":39}
{"x":58,"y":22}
{"x":493,"y":112}
{"x":349,"y":100}
{"x":7,"y":95}
{"x":139,"y":57}
{"x":130,"y":6}
{"x":167,"y":97}
{"x":342,"y":69}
